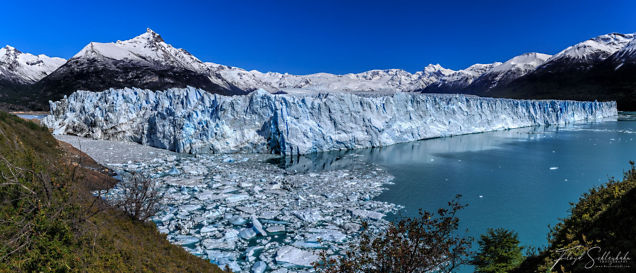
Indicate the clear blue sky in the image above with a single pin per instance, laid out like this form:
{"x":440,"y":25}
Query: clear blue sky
{"x":302,"y":37}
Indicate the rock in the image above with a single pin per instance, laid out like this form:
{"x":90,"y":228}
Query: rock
{"x":295,"y":256}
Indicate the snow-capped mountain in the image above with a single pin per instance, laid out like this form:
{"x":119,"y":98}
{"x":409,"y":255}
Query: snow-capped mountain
{"x":584,"y":55}
{"x":456,"y":81}
{"x":145,"y":61}
{"x":596,"y":69}
{"x":25,"y":68}
{"x":626,"y":55}
{"x":148,"y":62}
{"x":390,"y":80}
{"x":507,"y":72}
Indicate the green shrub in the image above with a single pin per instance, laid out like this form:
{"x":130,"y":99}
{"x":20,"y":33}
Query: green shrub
{"x":499,"y":251}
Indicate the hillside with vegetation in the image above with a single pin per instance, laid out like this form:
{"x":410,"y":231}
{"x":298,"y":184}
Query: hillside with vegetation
{"x":50,"y":221}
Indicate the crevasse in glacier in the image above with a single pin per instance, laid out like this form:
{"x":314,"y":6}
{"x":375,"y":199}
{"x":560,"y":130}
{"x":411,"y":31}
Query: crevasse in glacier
{"x":190,"y":120}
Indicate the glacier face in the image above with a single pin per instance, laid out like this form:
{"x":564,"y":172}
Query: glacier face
{"x":190,"y":120}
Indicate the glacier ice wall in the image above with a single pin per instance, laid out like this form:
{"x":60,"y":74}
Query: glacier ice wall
{"x":189,"y":120}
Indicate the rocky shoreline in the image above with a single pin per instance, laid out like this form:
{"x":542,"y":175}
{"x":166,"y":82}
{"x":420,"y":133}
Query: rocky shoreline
{"x":240,"y":211}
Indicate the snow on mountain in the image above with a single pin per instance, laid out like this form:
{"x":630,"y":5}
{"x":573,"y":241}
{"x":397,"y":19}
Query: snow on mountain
{"x":389,"y":80}
{"x":627,"y":54}
{"x":191,"y":120}
{"x":458,"y":80}
{"x":591,"y":51}
{"x":507,"y":72}
{"x":25,"y":68}
{"x":241,"y":78}
{"x":145,"y":61}
{"x":148,"y":48}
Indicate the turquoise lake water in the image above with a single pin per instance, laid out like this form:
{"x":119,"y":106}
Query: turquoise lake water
{"x":521,"y":179}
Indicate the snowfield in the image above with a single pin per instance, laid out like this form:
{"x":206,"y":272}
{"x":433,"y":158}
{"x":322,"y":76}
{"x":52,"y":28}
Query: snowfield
{"x":190,"y":120}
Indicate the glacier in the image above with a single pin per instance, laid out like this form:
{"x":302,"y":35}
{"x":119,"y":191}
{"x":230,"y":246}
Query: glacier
{"x":190,"y":120}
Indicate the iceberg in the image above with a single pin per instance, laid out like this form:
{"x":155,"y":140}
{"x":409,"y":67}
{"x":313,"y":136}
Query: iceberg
{"x":190,"y":120}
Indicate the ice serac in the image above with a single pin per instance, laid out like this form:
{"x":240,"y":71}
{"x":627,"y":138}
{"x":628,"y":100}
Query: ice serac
{"x":190,"y":120}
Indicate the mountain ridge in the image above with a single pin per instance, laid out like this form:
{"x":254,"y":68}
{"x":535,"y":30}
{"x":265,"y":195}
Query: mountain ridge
{"x":148,"y":62}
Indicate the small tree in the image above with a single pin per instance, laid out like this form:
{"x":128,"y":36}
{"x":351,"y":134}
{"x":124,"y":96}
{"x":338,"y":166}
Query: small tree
{"x":140,"y":197}
{"x":499,"y":251}
{"x":419,"y":244}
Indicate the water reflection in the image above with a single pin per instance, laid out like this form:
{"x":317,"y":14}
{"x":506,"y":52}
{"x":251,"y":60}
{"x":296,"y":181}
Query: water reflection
{"x":413,"y":151}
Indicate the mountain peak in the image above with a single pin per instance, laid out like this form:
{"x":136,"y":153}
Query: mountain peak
{"x":153,"y":36}
{"x":9,"y":48}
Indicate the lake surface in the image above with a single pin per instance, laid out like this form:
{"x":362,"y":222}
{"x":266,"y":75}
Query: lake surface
{"x":521,"y":179}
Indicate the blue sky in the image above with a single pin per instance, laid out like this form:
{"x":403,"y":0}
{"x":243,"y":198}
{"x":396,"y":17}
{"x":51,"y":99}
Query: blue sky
{"x":302,"y":37}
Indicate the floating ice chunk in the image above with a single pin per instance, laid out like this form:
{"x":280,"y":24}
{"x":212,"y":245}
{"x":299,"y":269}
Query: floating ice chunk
{"x":352,"y":227}
{"x":234,"y":266}
{"x":174,"y":171}
{"x":253,"y":251}
{"x":238,"y":221}
{"x":308,"y":215}
{"x":275,"y":229}
{"x":207,"y":229}
{"x":247,"y":233}
{"x":204,"y":195}
{"x":186,"y":240}
{"x":246,"y":209}
{"x":554,"y":168}
{"x":167,"y":217}
{"x":228,"y":242}
{"x":295,"y":256}
{"x":189,"y":207}
{"x":258,"y":227}
{"x":245,"y":184}
{"x":217,"y":257}
{"x":326,"y":235}
{"x":171,"y":158}
{"x":228,"y":160}
{"x":306,"y":244}
{"x":259,"y":267}
{"x":269,"y":214}
{"x":367,"y":214}
{"x":237,"y":198}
